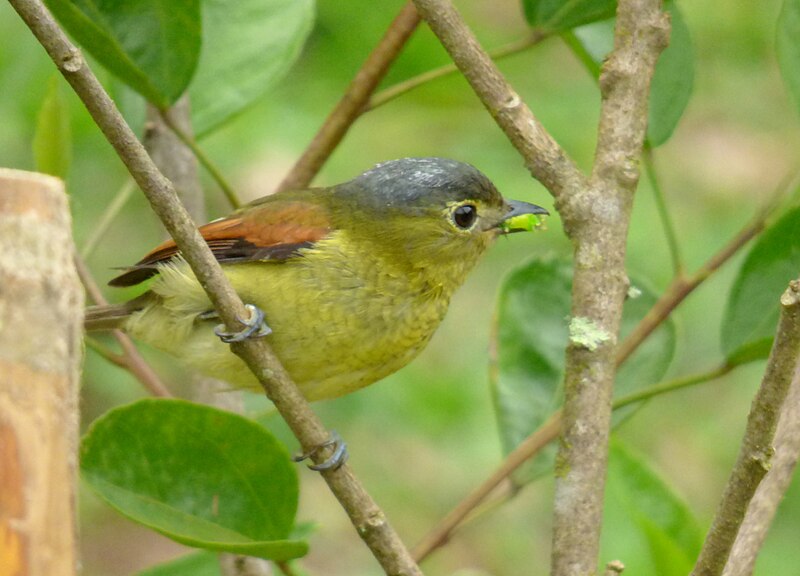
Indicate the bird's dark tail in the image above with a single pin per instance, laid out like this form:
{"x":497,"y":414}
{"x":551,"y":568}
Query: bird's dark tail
{"x":112,"y":316}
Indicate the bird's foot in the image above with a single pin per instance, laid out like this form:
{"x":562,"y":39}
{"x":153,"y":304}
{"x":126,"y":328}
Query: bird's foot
{"x":254,"y":327}
{"x":336,"y":459}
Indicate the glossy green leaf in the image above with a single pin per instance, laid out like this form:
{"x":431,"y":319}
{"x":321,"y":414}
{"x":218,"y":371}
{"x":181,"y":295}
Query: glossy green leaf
{"x":532,"y":333}
{"x":196,"y":564}
{"x":152,"y":45}
{"x":672,"y":533}
{"x":787,"y":46}
{"x":751,"y":314}
{"x":673,"y":79}
{"x":52,"y":141}
{"x":248,"y":45}
{"x":201,"y":476}
{"x":560,"y":15}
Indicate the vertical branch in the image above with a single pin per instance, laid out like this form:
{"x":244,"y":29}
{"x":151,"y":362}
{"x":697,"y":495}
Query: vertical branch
{"x":41,"y":313}
{"x":354,"y":100}
{"x":756,"y":452}
{"x":598,"y":220}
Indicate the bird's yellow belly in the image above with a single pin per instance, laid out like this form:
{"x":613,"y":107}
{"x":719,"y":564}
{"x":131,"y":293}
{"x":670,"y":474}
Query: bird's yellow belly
{"x":335,"y":329}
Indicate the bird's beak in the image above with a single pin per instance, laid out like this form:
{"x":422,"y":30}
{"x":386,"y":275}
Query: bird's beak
{"x":521,"y":217}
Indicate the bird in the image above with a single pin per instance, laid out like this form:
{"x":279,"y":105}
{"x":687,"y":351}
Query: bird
{"x":352,"y":280}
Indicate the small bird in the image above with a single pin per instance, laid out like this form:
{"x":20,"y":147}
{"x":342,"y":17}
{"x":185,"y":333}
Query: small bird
{"x":352,"y":280}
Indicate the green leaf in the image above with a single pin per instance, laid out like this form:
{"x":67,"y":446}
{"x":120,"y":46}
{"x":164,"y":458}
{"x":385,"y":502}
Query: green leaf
{"x":52,"y":140}
{"x":672,"y":82}
{"x":201,"y":476}
{"x":248,"y":45}
{"x":673,"y":78}
{"x":673,"y":536}
{"x":751,"y":315}
{"x":532,"y":333}
{"x":788,"y":47}
{"x":195,"y":564}
{"x":152,"y":45}
{"x":560,"y":15}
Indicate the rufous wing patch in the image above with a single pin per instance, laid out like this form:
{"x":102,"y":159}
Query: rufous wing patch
{"x":267,"y":230}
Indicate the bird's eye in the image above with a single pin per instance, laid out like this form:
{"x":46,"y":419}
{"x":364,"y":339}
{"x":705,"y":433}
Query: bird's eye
{"x":464,"y":216}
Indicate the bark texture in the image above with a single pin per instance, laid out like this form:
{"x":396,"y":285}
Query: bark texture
{"x":41,"y":316}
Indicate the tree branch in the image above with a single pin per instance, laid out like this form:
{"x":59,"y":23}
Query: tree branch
{"x":368,"y":519}
{"x":352,"y":103}
{"x":771,"y":490}
{"x":598,"y":219}
{"x":545,"y":159}
{"x":756,"y":451}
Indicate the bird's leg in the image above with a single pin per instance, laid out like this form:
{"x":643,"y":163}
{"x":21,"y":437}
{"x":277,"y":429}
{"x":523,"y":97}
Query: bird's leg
{"x":254,"y":327}
{"x":336,"y":459}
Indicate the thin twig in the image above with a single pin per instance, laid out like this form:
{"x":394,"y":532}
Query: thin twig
{"x":663,"y":212}
{"x":544,"y":158}
{"x":756,"y":452}
{"x":207,"y":163}
{"x":105,"y":352}
{"x":352,"y":103}
{"x":111,"y":212}
{"x":388,"y":94}
{"x":522,"y":453}
{"x":130,"y":358}
{"x":367,"y":518}
{"x":531,"y":446}
{"x":770,"y":492}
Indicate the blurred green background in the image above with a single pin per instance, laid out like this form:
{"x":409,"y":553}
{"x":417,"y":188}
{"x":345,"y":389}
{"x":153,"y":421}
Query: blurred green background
{"x":424,"y":437}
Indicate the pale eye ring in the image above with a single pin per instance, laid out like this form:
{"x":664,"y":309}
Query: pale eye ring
{"x":465,"y":215}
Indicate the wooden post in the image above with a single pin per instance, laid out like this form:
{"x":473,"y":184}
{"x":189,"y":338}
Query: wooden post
{"x":41,"y":315}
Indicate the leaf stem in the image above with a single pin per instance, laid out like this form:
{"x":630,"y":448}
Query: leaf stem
{"x":663,"y":211}
{"x":388,"y":94}
{"x":107,"y":218}
{"x":207,"y":163}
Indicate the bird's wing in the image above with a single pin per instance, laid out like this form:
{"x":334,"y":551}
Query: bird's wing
{"x":266,"y":230}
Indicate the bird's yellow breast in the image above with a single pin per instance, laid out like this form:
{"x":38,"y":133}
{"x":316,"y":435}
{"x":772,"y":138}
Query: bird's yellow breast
{"x":341,"y":319}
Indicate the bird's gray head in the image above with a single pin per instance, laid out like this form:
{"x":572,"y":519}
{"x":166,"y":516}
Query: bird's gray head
{"x":413,"y":184}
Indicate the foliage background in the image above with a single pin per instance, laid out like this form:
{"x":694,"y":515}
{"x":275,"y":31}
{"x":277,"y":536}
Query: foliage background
{"x":425,"y":436}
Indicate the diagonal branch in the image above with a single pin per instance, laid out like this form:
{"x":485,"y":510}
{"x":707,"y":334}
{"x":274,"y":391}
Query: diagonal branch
{"x":354,"y":100}
{"x":755,"y":454}
{"x":545,"y":159}
{"x":366,"y":516}
{"x":770,"y":492}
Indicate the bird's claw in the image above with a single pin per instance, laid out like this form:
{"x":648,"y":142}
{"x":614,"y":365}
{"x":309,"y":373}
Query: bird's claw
{"x":335,"y":460}
{"x":254,"y":327}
